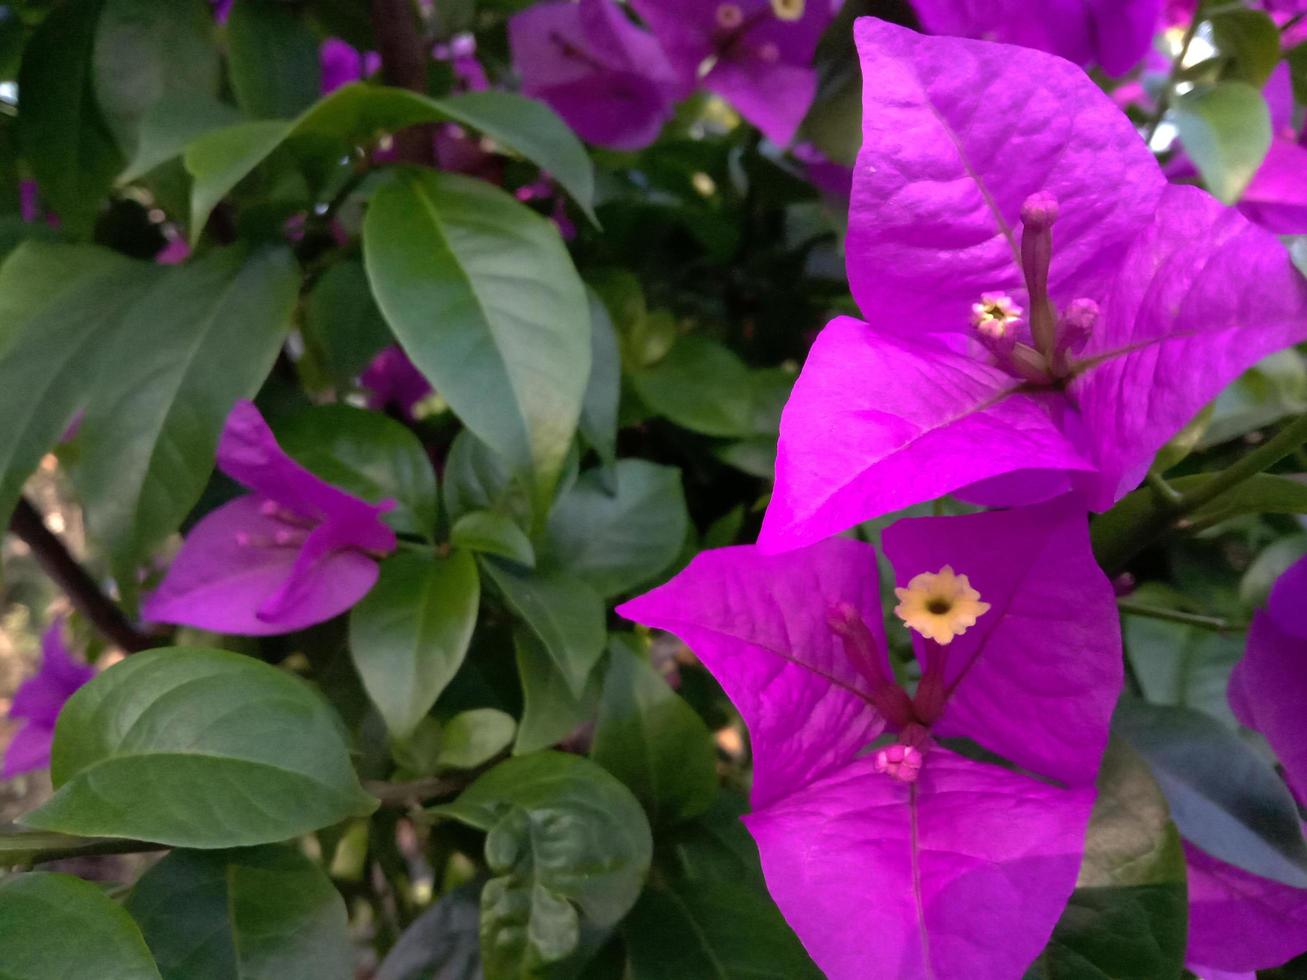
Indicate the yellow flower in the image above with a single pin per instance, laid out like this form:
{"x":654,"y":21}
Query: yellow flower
{"x":787,"y":9}
{"x":939,"y":605}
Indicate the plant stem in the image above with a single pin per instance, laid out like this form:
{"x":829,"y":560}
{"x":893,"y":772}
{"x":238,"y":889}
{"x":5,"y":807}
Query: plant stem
{"x":1213,"y":623}
{"x":27,"y":847}
{"x":1282,"y":444}
{"x":403,"y":65}
{"x":82,"y":590}
{"x":1170,"y":496}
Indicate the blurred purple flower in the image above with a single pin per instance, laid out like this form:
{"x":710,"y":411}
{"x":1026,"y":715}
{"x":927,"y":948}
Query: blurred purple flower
{"x":342,"y":64}
{"x":913,"y":861}
{"x":832,"y":179}
{"x":1115,"y":34}
{"x":221,"y":10}
{"x":967,"y":235}
{"x":392,"y":381}
{"x":755,"y":54}
{"x":607,"y":78}
{"x":39,"y":700}
{"x":295,"y":552}
{"x":461,"y":53}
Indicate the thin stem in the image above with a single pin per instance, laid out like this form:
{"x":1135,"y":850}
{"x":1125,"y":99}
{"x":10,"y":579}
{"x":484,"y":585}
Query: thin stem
{"x":82,"y":590}
{"x":1214,"y":623}
{"x":403,"y":65}
{"x":28,"y":847}
{"x":1169,"y":494}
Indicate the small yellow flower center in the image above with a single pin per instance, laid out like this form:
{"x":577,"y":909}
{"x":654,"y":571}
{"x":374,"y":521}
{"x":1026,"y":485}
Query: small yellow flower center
{"x":787,"y":9}
{"x":729,"y":16}
{"x":995,"y":314}
{"x":939,"y":605}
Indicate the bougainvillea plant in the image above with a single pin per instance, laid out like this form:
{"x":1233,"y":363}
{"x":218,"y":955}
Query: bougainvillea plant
{"x":650,"y":489}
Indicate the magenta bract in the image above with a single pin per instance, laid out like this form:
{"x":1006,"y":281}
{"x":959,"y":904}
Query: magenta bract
{"x":39,"y":700}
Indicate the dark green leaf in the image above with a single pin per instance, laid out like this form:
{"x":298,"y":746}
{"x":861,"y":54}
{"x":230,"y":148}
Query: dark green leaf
{"x":701,"y":386}
{"x":619,"y":540}
{"x":63,"y":136}
{"x":492,"y":534}
{"x":1270,"y":390}
{"x":1268,"y":566}
{"x":1226,"y":130}
{"x":170,"y":124}
{"x":598,"y":422}
{"x":410,"y":634}
{"x":198,"y":748}
{"x":57,"y":927}
{"x":552,"y":711}
{"x":344,"y":327}
{"x":478,"y":478}
{"x":253,"y":912}
{"x":371,"y":456}
{"x":1297,"y":58}
{"x":441,"y":944}
{"x":1223,"y":796}
{"x":715,"y":847}
{"x":204,"y":335}
{"x":149,"y":50}
{"x":1251,"y":40}
{"x":712,"y":930}
{"x":273,"y":57}
{"x":483,"y":296}
{"x":652,"y":740}
{"x":1128,"y":917}
{"x":566,"y":842}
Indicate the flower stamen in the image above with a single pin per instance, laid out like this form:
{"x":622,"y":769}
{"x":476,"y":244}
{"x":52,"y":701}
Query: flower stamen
{"x":939,"y":605}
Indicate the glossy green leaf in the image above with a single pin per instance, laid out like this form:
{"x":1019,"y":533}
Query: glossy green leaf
{"x":410,"y":634}
{"x":1226,"y":130}
{"x":63,"y":136}
{"x":344,"y":328}
{"x":472,"y":738}
{"x":1250,"y":39}
{"x":273,"y":58}
{"x":701,"y":386}
{"x":493,"y":534}
{"x":651,"y":740}
{"x":1128,"y":917}
{"x":483,"y":297}
{"x":617,"y":541}
{"x":565,"y":613}
{"x":712,"y":930}
{"x":598,"y":422}
{"x":203,"y":336}
{"x":149,"y":50}
{"x":57,"y":927}
{"x":241,"y":914}
{"x":1223,"y":796}
{"x":371,"y":456}
{"x":551,"y":711}
{"x":198,"y":748}
{"x":478,"y":478}
{"x":443,"y":942}
{"x":361,"y":113}
{"x":165,"y":129}
{"x":566,"y":842}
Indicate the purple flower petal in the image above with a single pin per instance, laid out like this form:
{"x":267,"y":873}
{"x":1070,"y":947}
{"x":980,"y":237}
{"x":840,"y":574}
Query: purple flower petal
{"x":876,"y":423}
{"x":774,"y":97}
{"x":1287,"y":603}
{"x":342,"y":64}
{"x":955,"y":138}
{"x":1239,"y":921}
{"x":392,"y":380}
{"x":759,"y":624}
{"x":1276,"y":198}
{"x":1202,"y":295}
{"x":39,"y":700}
{"x":1036,"y":679}
{"x":962,"y":874}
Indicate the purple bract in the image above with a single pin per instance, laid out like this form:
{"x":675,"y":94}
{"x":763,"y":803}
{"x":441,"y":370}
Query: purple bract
{"x":39,"y":700}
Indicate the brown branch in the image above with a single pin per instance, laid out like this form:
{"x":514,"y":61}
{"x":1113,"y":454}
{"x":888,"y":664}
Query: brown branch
{"x":403,"y":65}
{"x":82,"y":590}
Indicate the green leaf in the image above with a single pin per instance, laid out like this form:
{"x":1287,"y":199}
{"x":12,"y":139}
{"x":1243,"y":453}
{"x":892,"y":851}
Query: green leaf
{"x":1250,"y":39}
{"x":651,"y":740}
{"x":64,"y":138}
{"x":552,"y":711}
{"x":1182,"y":665}
{"x":253,"y":912}
{"x":1128,"y":917}
{"x":714,"y":847}
{"x":617,"y":541}
{"x":410,"y":634}
{"x":198,"y":748}
{"x":478,"y":478}
{"x":371,"y":456}
{"x":1224,"y":798}
{"x":441,"y":944}
{"x":598,"y":422}
{"x":344,"y":326}
{"x":361,"y":113}
{"x":712,"y":930}
{"x":1268,"y":566}
{"x":1297,"y":59}
{"x":701,"y":386}
{"x":493,"y":534}
{"x":564,"y":612}
{"x":472,"y":738}
{"x":566,"y":841}
{"x":483,"y":297}
{"x":1273,"y":388}
{"x":146,"y":50}
{"x":1226,"y":130}
{"x":57,"y":927}
{"x":273,"y":58}
{"x":165,"y":129}
{"x":205,"y":335}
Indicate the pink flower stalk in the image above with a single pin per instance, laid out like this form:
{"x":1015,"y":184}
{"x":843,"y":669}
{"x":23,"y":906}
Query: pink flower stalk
{"x":294,"y":552}
{"x":1041,"y":305}
{"x":912,"y":860}
{"x":39,"y":700}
